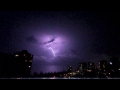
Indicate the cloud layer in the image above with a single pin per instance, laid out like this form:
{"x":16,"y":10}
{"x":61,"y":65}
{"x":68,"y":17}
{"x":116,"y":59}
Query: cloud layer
{"x":31,"y":39}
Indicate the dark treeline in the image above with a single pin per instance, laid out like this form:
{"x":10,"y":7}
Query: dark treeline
{"x":49,"y":74}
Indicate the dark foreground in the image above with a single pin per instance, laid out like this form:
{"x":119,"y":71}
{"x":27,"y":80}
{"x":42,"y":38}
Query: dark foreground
{"x":59,"y":78}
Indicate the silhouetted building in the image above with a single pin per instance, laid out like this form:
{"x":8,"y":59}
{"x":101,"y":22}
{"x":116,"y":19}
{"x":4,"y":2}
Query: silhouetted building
{"x":91,"y":66}
{"x":91,"y":69}
{"x":114,"y":67}
{"x":83,"y":68}
{"x":5,"y":64}
{"x":70,"y":71}
{"x":22,"y":63}
{"x":102,"y":71}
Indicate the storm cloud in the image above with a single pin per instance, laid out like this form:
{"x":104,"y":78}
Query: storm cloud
{"x":90,"y":35}
{"x":31,"y":39}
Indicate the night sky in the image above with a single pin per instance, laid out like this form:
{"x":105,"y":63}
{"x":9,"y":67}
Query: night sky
{"x":74,"y":36}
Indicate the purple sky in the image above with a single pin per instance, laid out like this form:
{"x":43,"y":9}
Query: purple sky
{"x":92,"y":35}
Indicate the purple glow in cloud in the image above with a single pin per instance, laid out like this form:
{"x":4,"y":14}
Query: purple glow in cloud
{"x":52,"y":43}
{"x":49,"y":47}
{"x":52,"y":51}
{"x":57,"y":40}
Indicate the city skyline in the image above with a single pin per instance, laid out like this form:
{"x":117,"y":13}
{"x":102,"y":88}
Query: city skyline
{"x":78,"y":36}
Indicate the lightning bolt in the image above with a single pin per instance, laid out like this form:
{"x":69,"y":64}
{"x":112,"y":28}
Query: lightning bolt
{"x":52,"y":51}
{"x":49,"y":47}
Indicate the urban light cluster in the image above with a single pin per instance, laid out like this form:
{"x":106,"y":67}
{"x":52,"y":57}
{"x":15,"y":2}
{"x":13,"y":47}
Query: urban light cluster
{"x":105,"y":68}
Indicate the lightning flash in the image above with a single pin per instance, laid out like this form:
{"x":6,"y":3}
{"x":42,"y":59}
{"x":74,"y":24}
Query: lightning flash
{"x":52,"y":51}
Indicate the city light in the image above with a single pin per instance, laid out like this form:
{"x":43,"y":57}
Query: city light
{"x":16,"y":55}
{"x":29,"y":66}
{"x":84,"y":69}
{"x":111,"y":63}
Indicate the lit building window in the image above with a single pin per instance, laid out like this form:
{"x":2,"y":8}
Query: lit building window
{"x":103,"y":66}
{"x":30,"y":60}
{"x":25,"y":60}
{"x":29,"y":66}
{"x":89,"y":70}
{"x":111,"y":63}
{"x":119,"y":69}
{"x":16,"y":55}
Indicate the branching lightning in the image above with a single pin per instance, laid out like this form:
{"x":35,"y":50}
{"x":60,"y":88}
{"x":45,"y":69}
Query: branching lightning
{"x":49,"y":46}
{"x":52,"y":51}
{"x":49,"y":43}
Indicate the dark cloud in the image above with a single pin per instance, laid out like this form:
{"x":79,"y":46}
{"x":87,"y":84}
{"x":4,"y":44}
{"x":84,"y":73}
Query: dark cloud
{"x":31,"y":39}
{"x":49,"y":41}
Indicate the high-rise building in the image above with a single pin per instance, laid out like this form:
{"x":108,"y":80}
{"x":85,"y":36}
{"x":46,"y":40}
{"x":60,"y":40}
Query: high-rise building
{"x":22,"y":63}
{"x":17,"y":65}
{"x":91,"y":66}
{"x":103,"y":64}
{"x":102,"y":71}
{"x":114,"y":67}
{"x":82,"y":68}
{"x":70,"y":69}
{"x":91,"y":69}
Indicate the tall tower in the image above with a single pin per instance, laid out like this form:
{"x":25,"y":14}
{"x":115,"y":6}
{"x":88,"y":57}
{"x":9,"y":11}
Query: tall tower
{"x":103,"y":65}
{"x":114,"y":66}
{"x":83,"y":68}
{"x":69,"y":68}
{"x":22,"y":63}
{"x":91,"y":69}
